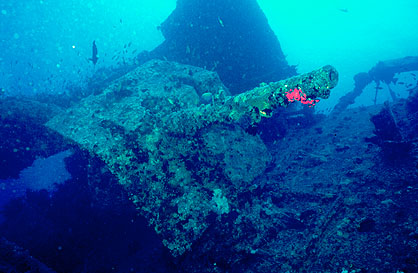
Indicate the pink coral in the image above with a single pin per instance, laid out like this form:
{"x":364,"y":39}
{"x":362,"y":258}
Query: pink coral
{"x":298,"y":95}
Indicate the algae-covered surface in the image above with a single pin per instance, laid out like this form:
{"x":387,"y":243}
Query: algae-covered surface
{"x":174,"y":139}
{"x":175,"y":180}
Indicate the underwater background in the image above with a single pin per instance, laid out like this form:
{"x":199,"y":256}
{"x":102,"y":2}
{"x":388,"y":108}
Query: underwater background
{"x":208,"y":136}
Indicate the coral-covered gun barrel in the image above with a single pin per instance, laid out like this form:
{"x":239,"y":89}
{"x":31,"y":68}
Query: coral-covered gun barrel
{"x":305,"y":88}
{"x":258,"y":102}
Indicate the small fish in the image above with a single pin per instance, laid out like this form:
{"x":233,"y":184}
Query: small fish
{"x":401,"y":83}
{"x":343,"y":10}
{"x":220,"y":22}
{"x":95,"y":57}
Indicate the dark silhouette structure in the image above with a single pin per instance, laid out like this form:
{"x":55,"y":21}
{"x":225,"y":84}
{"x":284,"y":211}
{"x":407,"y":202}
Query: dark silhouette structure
{"x":231,"y":37}
{"x":382,"y":72}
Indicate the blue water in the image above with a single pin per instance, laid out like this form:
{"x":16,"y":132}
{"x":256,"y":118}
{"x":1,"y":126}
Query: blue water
{"x":51,"y":209}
